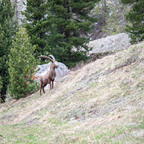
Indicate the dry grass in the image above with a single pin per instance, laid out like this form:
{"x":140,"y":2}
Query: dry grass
{"x":103,"y":102}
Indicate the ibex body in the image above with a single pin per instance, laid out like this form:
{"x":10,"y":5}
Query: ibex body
{"x":49,"y":76}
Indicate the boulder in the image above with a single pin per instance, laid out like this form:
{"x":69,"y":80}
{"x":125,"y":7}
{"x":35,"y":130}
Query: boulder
{"x":110,"y":43}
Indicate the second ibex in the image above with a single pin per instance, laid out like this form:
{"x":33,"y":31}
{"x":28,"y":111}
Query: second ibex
{"x":48,"y":77}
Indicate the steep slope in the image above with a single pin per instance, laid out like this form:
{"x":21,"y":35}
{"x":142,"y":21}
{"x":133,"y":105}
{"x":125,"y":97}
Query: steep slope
{"x":103,"y":102}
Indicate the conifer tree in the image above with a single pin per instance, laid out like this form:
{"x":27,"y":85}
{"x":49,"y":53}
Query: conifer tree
{"x":22,"y":64}
{"x":0,"y":83}
{"x":1,"y":100}
{"x":36,"y":23}
{"x":136,"y":19}
{"x":60,"y":27}
{"x":7,"y":32}
{"x":70,"y":23}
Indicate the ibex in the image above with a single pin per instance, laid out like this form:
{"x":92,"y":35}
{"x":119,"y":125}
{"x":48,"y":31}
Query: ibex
{"x":48,"y":77}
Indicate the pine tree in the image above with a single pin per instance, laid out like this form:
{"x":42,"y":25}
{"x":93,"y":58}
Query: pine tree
{"x":70,"y":23}
{"x":22,"y":64}
{"x":1,"y":100}
{"x":0,"y":83}
{"x":7,"y":32}
{"x":60,"y":27}
{"x":136,"y":19}
{"x":36,"y":23}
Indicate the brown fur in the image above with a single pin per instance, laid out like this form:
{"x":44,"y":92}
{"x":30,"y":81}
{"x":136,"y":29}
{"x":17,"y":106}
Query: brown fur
{"x":49,"y":76}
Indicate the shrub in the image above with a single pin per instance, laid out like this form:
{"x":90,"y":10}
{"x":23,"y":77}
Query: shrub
{"x":22,"y":64}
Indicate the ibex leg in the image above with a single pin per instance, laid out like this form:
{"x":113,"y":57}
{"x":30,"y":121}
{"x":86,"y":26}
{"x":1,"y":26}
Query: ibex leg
{"x":52,"y":84}
{"x":43,"y":90}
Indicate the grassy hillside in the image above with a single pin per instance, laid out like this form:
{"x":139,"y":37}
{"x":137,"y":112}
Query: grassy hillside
{"x":103,"y":102}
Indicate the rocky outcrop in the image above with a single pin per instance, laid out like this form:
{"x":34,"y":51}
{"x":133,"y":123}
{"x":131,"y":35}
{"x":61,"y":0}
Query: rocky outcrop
{"x":110,"y":43}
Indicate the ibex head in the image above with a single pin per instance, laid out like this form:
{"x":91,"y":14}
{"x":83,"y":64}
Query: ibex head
{"x":52,"y":59}
{"x":55,"y":64}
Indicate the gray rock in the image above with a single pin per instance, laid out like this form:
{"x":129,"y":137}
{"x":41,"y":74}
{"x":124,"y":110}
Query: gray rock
{"x":110,"y":43}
